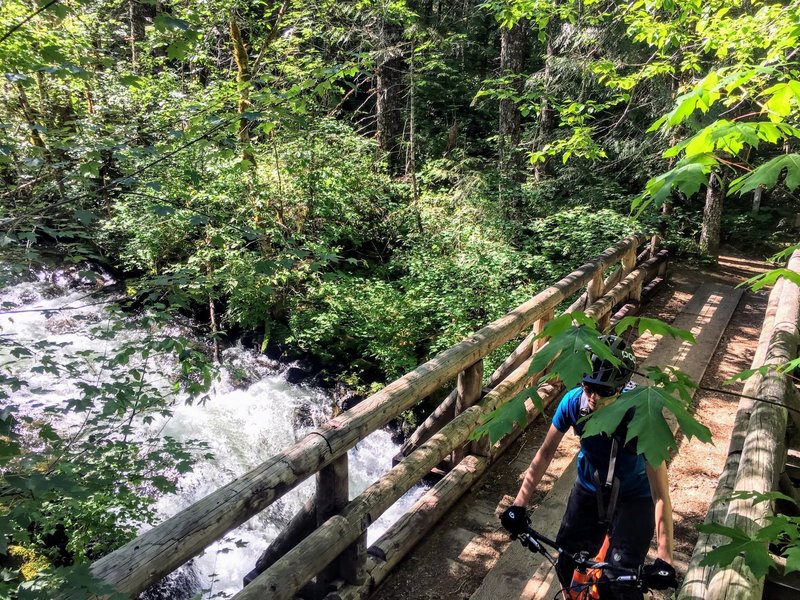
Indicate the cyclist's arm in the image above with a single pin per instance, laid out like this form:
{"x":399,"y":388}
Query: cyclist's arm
{"x":539,"y":464}
{"x":659,"y":488}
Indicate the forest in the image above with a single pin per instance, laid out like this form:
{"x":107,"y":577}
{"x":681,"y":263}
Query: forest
{"x":360,"y":183}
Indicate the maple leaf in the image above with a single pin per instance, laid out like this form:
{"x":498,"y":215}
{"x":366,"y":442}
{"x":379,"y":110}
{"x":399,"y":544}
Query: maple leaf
{"x":654,"y":326}
{"x":688,"y":175}
{"x":784,"y":254}
{"x":654,"y":439}
{"x":748,"y":373}
{"x":768,"y":174}
{"x":757,"y":282}
{"x":501,"y":421}
{"x":569,"y":347}
{"x":567,"y":356}
{"x":758,"y":497}
{"x":792,"y":555}
{"x":755,"y":551}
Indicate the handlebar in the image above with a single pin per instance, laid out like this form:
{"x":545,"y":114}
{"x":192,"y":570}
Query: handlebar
{"x":660,"y":575}
{"x":533,"y":541}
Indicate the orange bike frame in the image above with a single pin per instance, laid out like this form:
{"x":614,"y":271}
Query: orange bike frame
{"x":584,"y":585}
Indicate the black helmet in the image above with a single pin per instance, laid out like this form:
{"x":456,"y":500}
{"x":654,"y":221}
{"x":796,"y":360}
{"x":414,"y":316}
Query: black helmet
{"x":607,"y":374}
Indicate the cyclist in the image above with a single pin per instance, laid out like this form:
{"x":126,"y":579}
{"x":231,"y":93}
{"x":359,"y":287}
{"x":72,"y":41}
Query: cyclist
{"x":616,"y":492}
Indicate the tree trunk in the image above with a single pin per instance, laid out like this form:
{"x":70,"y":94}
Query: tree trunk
{"x":137,"y":34}
{"x":411,"y":163}
{"x":243,"y":76}
{"x":712,"y":216}
{"x":547,"y":116}
{"x":512,"y":63}
{"x":389,"y":97}
{"x":757,"y":195}
{"x":32,"y":118}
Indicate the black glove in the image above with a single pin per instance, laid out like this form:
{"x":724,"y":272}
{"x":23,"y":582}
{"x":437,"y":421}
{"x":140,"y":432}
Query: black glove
{"x":515,"y":520}
{"x":659,"y":576}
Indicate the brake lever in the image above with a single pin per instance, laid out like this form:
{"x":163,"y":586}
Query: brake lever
{"x":530,"y":542}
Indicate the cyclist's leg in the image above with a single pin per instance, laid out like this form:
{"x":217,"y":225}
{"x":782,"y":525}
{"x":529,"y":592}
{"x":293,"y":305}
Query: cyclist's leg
{"x":580,"y":530}
{"x":634,"y":524}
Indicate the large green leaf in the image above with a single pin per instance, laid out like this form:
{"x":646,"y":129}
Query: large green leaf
{"x":792,"y":555}
{"x":755,"y":551}
{"x":688,"y":176}
{"x":654,"y":326}
{"x":768,"y":174}
{"x":782,"y":98}
{"x":653,"y":436}
{"x":567,"y":349}
{"x":761,"y":280}
{"x":500,"y":422}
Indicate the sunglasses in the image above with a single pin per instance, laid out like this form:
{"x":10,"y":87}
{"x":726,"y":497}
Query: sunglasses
{"x":599,"y":390}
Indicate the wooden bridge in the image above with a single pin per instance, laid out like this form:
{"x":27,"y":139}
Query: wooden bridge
{"x":322,"y":553}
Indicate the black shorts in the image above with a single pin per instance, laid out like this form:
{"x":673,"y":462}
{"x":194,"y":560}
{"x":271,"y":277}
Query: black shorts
{"x":632,"y":530}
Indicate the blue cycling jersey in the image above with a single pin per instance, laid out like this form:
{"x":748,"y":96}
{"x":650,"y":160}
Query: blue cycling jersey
{"x":596,"y":450}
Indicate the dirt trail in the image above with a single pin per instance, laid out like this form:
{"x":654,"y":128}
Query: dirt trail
{"x":455,"y":557}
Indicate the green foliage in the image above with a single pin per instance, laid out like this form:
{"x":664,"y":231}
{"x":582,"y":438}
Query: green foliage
{"x":771,"y":277}
{"x":753,"y":549}
{"x":567,"y":237}
{"x":566,"y":351}
{"x":768,"y":174}
{"x":780,"y":531}
{"x":757,"y":82}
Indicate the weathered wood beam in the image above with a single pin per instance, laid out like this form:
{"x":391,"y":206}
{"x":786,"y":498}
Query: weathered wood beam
{"x":695,"y":582}
{"x":766,"y":430}
{"x":333,"y":494}
{"x":468,"y":393}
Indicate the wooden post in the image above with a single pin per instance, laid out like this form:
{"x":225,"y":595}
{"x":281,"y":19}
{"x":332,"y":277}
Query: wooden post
{"x":595,"y":289}
{"x":628,"y":264}
{"x":333,"y":490}
{"x":301,"y":525}
{"x":538,"y":327}
{"x":468,"y":393}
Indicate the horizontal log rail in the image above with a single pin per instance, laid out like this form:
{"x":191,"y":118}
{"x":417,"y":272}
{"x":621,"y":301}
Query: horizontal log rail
{"x":159,"y":551}
{"x":695,"y":582}
{"x":756,"y":452}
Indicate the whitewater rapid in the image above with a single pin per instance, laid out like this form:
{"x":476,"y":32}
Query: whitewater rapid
{"x":243,"y":425}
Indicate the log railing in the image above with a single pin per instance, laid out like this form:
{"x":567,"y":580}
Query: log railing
{"x":326,"y":540}
{"x":756,"y":452}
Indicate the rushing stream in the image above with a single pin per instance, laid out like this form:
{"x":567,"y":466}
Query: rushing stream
{"x":243,"y":425}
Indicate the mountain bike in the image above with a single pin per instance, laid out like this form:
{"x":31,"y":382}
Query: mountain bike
{"x":591,"y":574}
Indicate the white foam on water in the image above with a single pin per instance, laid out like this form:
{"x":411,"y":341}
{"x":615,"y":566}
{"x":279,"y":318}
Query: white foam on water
{"x":242,"y":426}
